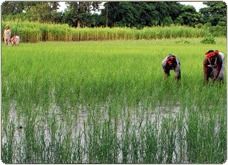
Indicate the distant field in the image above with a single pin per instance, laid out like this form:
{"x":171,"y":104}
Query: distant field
{"x":106,"y":102}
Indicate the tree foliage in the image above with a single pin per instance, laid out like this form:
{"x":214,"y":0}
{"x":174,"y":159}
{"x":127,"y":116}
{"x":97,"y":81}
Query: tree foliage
{"x":78,"y":14}
{"x":12,"y":8}
{"x":41,"y":11}
{"x":214,"y":13}
{"x":189,"y":16}
{"x":117,"y":13}
{"x":137,"y":14}
{"x":32,"y":11}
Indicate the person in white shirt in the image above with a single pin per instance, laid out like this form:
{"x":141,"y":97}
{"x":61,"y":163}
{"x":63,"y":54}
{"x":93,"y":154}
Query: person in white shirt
{"x":7,"y":35}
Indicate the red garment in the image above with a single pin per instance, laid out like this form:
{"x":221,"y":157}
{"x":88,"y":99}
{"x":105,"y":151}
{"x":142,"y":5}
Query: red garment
{"x":209,"y":61}
{"x":170,"y":60}
{"x":211,"y":54}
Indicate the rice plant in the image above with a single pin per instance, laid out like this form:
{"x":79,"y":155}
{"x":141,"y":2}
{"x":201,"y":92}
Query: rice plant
{"x":106,"y":102}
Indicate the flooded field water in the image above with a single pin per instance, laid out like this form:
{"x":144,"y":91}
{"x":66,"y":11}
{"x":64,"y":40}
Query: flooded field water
{"x":84,"y":127}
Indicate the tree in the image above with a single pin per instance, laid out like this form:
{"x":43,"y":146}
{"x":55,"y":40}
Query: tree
{"x":189,"y":16}
{"x":214,"y":13}
{"x":110,"y":13}
{"x":148,"y":15}
{"x":12,"y":8}
{"x":78,"y":13}
{"x":33,"y":11}
{"x":41,"y":11}
{"x":140,"y":14}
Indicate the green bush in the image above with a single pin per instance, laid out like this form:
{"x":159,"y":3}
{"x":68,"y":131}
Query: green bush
{"x":217,"y":31}
{"x":208,"y":39}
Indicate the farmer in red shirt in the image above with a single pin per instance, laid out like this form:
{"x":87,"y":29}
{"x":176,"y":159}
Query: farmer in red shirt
{"x":171,"y":63}
{"x":213,"y":65}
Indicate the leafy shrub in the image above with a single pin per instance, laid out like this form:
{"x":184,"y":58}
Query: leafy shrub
{"x":208,"y":39}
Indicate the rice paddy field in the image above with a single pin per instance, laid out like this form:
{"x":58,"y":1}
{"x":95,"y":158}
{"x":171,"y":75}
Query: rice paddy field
{"x":107,"y":102}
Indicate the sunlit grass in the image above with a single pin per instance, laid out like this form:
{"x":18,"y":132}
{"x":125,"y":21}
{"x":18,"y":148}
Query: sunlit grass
{"x":106,"y":102}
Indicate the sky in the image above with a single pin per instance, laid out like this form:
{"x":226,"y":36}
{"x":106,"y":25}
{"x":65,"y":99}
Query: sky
{"x":197,"y":5}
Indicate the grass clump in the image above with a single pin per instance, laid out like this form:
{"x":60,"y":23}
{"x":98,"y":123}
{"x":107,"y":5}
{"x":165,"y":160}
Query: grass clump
{"x":208,"y":39}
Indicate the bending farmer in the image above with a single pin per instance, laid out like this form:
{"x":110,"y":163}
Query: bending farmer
{"x":213,"y":65}
{"x":171,"y":63}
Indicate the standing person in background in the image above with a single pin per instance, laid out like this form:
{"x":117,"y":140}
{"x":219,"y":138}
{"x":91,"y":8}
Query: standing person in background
{"x":7,"y":35}
{"x":213,"y":65}
{"x":171,"y":63}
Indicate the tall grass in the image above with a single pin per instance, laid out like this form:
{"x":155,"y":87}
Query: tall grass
{"x":106,"y":102}
{"x":34,"y":32}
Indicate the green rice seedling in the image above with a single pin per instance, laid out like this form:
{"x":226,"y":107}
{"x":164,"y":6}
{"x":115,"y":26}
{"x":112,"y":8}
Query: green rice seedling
{"x":150,"y":141}
{"x":7,"y":147}
{"x":107,"y":102}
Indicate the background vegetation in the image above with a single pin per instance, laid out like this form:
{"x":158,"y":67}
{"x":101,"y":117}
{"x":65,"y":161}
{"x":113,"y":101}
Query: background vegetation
{"x":120,"y":14}
{"x":106,"y":102}
{"x":35,"y":31}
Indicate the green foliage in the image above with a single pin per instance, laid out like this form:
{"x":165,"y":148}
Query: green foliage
{"x":188,"y":16}
{"x":78,"y":13}
{"x":140,"y":14}
{"x":106,"y":102}
{"x":116,"y":14}
{"x":214,"y":13}
{"x":208,"y":39}
{"x":218,"y":30}
{"x":34,"y":31}
{"x":30,"y":11}
{"x":214,"y":18}
{"x":12,"y":8}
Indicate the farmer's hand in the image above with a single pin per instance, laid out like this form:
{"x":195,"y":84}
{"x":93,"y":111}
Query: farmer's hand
{"x":214,"y":79}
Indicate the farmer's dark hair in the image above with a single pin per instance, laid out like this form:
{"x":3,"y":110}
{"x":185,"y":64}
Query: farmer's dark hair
{"x":210,"y":51}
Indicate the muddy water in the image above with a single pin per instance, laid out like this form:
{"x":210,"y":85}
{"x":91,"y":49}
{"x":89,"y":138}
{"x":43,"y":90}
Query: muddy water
{"x":77,"y":125}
